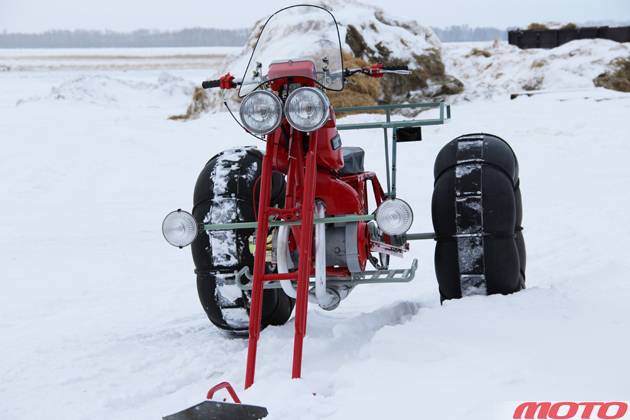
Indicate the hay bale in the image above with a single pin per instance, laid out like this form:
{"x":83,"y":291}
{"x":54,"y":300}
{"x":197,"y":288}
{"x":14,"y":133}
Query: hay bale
{"x":534,"y":26}
{"x":359,"y":90}
{"x":617,"y":78}
{"x":479,"y":52}
{"x":537,"y":64}
{"x":200,"y":103}
{"x":428,"y":77}
{"x":367,"y":34}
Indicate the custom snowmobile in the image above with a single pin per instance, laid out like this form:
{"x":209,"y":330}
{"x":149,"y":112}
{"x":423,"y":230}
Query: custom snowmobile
{"x":276,"y":230}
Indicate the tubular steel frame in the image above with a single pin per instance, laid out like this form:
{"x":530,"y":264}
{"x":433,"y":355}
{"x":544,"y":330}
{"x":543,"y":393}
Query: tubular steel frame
{"x":445,"y":115}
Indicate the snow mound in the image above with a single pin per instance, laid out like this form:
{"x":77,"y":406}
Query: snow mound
{"x":451,"y":71}
{"x":381,"y":37}
{"x":366,"y":33}
{"x":108,"y":90}
{"x":491,"y":69}
{"x":617,"y":77}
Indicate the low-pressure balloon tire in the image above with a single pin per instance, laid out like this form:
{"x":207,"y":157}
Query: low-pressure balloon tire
{"x":477,"y":216}
{"x":226,"y":192}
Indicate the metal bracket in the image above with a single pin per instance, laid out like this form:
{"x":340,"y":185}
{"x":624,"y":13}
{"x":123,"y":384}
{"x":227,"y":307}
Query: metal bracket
{"x":244,"y":279}
{"x":389,"y":249}
{"x":419,"y":236}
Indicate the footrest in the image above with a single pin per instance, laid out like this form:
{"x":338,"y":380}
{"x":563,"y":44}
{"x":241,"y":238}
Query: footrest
{"x":243,"y":278}
{"x":401,"y":275}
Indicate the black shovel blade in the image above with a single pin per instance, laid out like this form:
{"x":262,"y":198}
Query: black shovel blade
{"x":214,"y":410}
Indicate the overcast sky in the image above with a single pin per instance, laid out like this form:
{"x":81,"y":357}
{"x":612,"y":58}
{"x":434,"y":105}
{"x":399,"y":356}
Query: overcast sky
{"x":125,"y":15}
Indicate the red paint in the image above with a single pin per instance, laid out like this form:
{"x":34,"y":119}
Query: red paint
{"x":376,"y":70}
{"x":227,"y":81}
{"x":330,"y":188}
{"x":280,"y":276}
{"x":226,"y":386}
{"x":301,"y":68}
{"x":304,"y":265}
{"x":296,"y":72}
{"x":255,"y":311}
{"x":327,"y":157}
{"x":363,"y":241}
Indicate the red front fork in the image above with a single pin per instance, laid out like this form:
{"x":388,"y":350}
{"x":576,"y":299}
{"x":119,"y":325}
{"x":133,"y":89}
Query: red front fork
{"x":304,"y":265}
{"x":308,"y":179}
{"x":255,"y":311}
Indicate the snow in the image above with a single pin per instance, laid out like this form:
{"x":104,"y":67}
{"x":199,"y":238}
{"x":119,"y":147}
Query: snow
{"x":100,"y":318}
{"x":309,"y":33}
{"x":404,"y":38}
{"x":296,"y":39}
{"x":227,"y":295}
{"x":224,"y":208}
{"x":508,"y":69}
{"x":487,"y":69}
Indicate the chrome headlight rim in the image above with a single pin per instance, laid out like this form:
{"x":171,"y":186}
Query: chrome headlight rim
{"x":191,"y":222}
{"x":325,"y":104}
{"x":403,"y":229}
{"x":278,"y":103}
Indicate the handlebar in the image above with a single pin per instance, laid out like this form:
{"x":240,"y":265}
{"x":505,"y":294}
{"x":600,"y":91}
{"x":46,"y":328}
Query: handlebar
{"x":225,"y":82}
{"x":396,"y":68}
{"x":376,"y":70}
{"x":210,"y":84}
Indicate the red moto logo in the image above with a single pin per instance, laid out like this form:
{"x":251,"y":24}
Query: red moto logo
{"x":569,"y":410}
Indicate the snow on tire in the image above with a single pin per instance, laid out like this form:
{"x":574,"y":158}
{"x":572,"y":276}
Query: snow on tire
{"x":227,"y":192}
{"x":477,"y":216}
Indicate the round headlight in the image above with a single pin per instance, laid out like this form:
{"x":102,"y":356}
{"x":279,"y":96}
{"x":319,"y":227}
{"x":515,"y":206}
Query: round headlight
{"x":179,"y":228}
{"x":394,"y":217}
{"x":307,"y":109}
{"x":261,"y":112}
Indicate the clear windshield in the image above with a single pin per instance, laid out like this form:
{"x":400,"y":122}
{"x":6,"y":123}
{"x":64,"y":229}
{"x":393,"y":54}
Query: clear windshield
{"x":297,"y":33}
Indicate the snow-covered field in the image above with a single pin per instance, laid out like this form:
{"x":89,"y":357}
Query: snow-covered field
{"x":99,"y":317}
{"x":122,"y":59}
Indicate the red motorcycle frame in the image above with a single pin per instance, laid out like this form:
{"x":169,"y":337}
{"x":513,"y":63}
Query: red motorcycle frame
{"x":309,"y":161}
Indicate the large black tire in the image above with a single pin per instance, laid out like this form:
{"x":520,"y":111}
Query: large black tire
{"x":477,"y":216}
{"x":226,"y":192}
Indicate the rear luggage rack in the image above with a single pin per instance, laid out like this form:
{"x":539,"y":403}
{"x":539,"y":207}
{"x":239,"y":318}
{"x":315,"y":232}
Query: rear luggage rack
{"x":399,"y":129}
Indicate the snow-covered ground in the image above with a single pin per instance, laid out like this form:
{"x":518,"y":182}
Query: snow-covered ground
{"x":488,"y":69}
{"x":99,"y":317}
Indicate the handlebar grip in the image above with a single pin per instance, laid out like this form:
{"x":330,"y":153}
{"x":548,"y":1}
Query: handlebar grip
{"x":209,"y":84}
{"x":396,"y":68}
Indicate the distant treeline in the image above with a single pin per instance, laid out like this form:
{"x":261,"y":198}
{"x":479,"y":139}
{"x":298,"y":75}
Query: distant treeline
{"x":194,"y":37}
{"x":204,"y":37}
{"x":464,"y":33}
